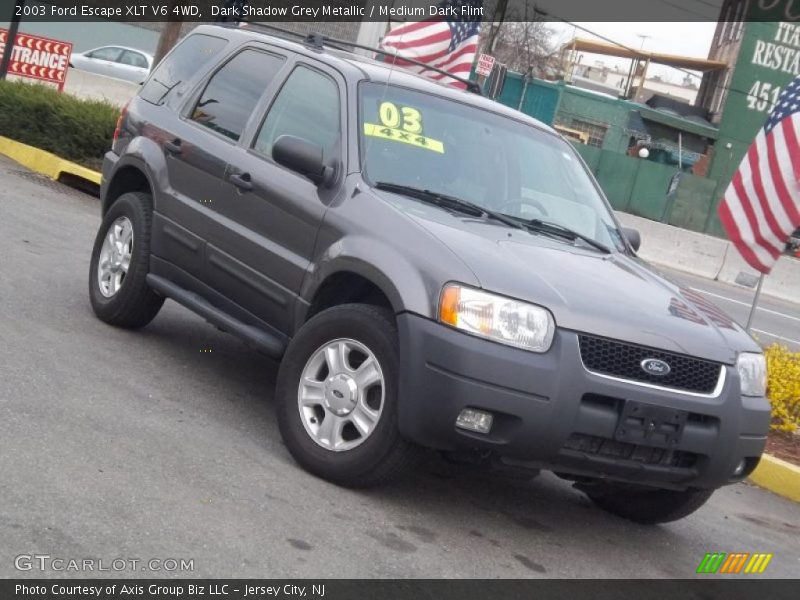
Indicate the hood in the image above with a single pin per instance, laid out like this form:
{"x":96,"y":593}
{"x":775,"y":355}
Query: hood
{"x":609,"y":295}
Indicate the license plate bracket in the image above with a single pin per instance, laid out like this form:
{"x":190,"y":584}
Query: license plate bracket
{"x":650,"y":425}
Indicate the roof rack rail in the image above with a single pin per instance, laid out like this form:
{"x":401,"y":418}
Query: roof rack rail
{"x":319,"y":41}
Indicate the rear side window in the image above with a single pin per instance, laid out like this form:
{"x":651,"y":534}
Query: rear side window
{"x":307,"y":107}
{"x":133,"y":59}
{"x":233,"y":92}
{"x":191,"y":55}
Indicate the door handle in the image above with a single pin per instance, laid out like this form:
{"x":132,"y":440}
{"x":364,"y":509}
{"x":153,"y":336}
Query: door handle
{"x":173,"y":147}
{"x":242,"y":181}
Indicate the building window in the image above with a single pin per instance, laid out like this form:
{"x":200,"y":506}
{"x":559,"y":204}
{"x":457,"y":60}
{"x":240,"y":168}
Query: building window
{"x":722,"y":93}
{"x":596,"y":133}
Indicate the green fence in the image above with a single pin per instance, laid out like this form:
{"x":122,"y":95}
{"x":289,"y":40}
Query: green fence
{"x":639,"y":187}
{"x":539,"y":99}
{"x":633,"y":185}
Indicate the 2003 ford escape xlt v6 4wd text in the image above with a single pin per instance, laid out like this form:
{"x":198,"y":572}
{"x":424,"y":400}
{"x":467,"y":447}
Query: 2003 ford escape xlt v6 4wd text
{"x":432,"y":269}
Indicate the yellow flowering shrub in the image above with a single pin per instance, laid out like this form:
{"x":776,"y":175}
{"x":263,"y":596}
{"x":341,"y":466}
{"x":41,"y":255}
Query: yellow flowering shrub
{"x":783,"y":387}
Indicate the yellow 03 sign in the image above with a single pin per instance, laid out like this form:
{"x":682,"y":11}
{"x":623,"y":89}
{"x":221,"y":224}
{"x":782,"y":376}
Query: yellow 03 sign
{"x":403,"y":117}
{"x":402,"y":124}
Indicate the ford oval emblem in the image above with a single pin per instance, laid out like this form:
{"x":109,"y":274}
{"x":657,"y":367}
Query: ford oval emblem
{"x":653,"y":366}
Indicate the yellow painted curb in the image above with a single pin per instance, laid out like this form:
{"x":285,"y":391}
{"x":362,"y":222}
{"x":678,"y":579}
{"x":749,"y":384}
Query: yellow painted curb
{"x":43,"y":162}
{"x":778,"y":476}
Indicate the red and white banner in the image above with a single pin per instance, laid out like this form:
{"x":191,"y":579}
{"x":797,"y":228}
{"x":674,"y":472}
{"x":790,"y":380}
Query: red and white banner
{"x":38,"y":57}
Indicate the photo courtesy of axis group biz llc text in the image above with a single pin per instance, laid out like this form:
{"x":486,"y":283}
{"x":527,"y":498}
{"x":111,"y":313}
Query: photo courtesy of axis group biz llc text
{"x":328,"y":299}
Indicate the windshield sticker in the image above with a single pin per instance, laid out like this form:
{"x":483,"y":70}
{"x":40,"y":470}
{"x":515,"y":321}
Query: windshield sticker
{"x":402,"y":124}
{"x":398,"y":135}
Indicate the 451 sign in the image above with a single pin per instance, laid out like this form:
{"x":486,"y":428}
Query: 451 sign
{"x":37,"y":57}
{"x":763,"y":96}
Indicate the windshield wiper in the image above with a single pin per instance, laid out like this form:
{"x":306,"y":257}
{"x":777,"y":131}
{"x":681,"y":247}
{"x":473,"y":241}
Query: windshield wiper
{"x":446,"y":201}
{"x":565,"y":232}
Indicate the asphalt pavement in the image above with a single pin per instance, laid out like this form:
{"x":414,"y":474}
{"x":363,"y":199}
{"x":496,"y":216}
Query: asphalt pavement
{"x":162,"y":444}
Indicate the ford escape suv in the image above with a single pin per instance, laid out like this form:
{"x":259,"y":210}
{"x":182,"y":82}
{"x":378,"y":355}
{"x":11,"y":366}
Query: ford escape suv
{"x":432,"y":269}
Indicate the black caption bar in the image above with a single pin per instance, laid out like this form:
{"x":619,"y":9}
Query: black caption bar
{"x":343,"y":589}
{"x":386,"y":10}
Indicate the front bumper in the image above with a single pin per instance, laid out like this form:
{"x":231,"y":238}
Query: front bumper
{"x":550,"y":412}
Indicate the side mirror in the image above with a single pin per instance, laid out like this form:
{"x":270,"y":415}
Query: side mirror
{"x":633,"y":237}
{"x":303,"y":157}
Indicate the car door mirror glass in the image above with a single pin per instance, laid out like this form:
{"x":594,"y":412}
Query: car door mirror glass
{"x":633,"y":236}
{"x":303,"y":157}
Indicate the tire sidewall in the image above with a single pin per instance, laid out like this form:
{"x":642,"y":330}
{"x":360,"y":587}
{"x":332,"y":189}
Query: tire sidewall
{"x":371,"y":327}
{"x":133,"y":207}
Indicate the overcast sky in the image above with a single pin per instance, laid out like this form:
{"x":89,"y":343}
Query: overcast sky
{"x":689,"y":39}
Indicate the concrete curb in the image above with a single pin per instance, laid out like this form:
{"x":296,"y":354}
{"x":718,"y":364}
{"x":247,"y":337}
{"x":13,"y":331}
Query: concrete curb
{"x":709,"y":257}
{"x":45,"y":163}
{"x":778,"y":476}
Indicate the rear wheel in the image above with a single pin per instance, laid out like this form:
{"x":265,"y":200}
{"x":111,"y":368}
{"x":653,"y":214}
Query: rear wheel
{"x":337,"y":397}
{"x":120,"y":261}
{"x":647,"y":506}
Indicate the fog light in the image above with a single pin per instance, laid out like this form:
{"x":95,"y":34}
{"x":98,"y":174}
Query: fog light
{"x":737,"y":472}
{"x":474,"y":420}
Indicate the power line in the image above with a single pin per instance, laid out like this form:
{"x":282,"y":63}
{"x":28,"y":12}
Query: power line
{"x":716,"y":86}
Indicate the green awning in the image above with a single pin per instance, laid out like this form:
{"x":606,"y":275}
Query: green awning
{"x":705,"y":130}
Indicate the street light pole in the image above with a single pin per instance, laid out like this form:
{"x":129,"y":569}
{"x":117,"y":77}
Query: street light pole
{"x":11,"y":37}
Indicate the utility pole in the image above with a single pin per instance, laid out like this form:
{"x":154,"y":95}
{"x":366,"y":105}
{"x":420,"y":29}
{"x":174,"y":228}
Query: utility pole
{"x":11,"y":37}
{"x":170,"y":34}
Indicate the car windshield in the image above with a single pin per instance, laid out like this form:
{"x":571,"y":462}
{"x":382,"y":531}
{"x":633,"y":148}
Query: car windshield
{"x":410,"y":138}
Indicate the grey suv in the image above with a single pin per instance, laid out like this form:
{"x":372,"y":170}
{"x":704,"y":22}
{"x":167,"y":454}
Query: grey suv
{"x":433,"y":270}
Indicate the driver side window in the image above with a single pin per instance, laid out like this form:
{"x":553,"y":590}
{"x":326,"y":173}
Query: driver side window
{"x":306,"y":107}
{"x":109,"y":54}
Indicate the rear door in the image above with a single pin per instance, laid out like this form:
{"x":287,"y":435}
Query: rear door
{"x":103,"y":61}
{"x":275,"y":213}
{"x":133,"y":66}
{"x":197,"y":149}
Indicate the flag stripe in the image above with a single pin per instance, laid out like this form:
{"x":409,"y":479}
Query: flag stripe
{"x":780,"y":170}
{"x":749,"y":210}
{"x":447,"y":43}
{"x":732,"y":229}
{"x":761,"y":207}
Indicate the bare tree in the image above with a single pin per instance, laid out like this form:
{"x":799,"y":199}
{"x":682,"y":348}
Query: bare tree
{"x":520,"y":38}
{"x":525,"y":47}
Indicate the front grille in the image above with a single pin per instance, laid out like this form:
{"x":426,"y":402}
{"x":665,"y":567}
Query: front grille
{"x":599,"y":446}
{"x":623,"y":360}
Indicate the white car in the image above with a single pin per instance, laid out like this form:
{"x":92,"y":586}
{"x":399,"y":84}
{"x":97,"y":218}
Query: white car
{"x":129,"y":64}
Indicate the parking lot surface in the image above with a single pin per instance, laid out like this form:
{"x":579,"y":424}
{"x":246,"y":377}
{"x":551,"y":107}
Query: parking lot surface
{"x":161,"y":443}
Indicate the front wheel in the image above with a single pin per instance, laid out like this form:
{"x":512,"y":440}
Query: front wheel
{"x":647,"y":506}
{"x":336,"y":397}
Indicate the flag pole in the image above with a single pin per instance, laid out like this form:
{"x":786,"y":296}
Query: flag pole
{"x":755,"y":302}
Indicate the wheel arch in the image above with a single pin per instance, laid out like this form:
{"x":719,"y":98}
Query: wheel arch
{"x":126,"y":178}
{"x":141,"y":168}
{"x":350,"y":278}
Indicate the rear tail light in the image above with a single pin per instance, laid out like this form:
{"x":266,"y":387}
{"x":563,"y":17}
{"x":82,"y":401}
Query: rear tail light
{"x":120,"y":123}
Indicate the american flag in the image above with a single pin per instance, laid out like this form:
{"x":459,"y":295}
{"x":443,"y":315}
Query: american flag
{"x":447,"y":42}
{"x":761,"y":206}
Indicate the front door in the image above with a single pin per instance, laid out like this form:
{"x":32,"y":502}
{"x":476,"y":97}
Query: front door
{"x":278,"y":212}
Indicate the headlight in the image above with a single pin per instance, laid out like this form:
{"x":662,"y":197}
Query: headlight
{"x":752,"y":373}
{"x":497,"y":318}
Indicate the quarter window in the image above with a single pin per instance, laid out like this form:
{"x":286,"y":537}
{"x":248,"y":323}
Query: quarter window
{"x":134,"y":59}
{"x":306,"y":107}
{"x":234,"y":90}
{"x":191,"y":55}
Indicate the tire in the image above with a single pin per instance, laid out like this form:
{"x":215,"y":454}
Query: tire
{"x":382,"y":454}
{"x":133,"y":304}
{"x":648,"y":507}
